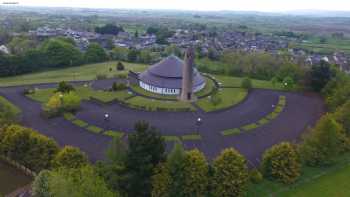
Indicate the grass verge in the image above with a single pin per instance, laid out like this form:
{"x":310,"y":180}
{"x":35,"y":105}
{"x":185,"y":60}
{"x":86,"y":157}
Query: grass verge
{"x":114,"y":134}
{"x":228,"y":97}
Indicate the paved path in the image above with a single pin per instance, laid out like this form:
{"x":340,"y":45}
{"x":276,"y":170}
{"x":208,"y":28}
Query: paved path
{"x":300,"y":112}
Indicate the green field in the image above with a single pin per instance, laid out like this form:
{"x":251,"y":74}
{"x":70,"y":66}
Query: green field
{"x":229,"y":97}
{"x":85,"y":93}
{"x":11,"y":179}
{"x":80,"y":73}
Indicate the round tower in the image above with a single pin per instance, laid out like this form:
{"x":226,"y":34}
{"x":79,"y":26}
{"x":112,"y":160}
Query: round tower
{"x":187,"y":76}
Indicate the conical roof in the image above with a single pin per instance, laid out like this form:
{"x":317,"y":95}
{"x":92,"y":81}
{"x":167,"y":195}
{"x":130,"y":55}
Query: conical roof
{"x":168,"y":74}
{"x":168,"y":67}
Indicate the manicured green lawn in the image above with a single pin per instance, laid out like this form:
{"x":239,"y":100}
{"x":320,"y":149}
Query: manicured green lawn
{"x":85,"y":72}
{"x":11,"y":179}
{"x":229,"y":97}
{"x":319,"y":182}
{"x":333,"y":184}
{"x":228,"y":81}
{"x":85,"y":93}
{"x":114,"y":134}
{"x":152,"y":105}
{"x":7,"y":104}
{"x":192,"y":137}
{"x":209,"y":86}
{"x":171,"y":138}
{"x":94,"y":129}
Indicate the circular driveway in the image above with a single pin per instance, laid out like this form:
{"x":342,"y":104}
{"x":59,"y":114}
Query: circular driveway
{"x":301,"y":111}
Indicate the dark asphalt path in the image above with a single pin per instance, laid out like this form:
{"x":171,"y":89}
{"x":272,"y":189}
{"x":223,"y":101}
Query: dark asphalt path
{"x":300,"y":112}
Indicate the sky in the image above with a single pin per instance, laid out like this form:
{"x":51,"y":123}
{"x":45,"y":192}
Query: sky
{"x":200,"y":5}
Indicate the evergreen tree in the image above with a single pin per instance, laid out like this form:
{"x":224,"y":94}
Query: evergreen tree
{"x":281,"y":162}
{"x":230,"y":174}
{"x":146,"y":150}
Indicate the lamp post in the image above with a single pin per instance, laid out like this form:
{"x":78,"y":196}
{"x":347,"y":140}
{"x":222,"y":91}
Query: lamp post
{"x":106,"y":119}
{"x":199,"y":122}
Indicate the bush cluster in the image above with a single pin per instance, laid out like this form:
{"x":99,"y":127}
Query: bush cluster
{"x":27,"y":147}
{"x":119,"y":86}
{"x":281,"y":162}
{"x":37,"y":152}
{"x":60,"y":103}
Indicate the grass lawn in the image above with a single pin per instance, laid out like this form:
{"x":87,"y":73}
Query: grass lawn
{"x":114,"y":134}
{"x":228,"y":81}
{"x":333,"y":184}
{"x":191,"y":137}
{"x":171,"y":138}
{"x":152,"y":105}
{"x":11,"y":179}
{"x":229,"y":97}
{"x":94,"y":129}
{"x":79,"y":73}
{"x":320,"y":182}
{"x":80,"y":123}
{"x":4,"y":103}
{"x":209,"y":86}
{"x":228,"y":132}
{"x":43,"y":95}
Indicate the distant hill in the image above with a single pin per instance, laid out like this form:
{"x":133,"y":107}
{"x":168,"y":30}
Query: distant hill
{"x":319,"y":13}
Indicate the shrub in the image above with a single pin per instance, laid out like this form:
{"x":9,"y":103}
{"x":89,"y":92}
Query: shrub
{"x":64,"y":87}
{"x":247,"y":83}
{"x":26,"y":146}
{"x":323,"y":143}
{"x":60,"y":103}
{"x":230,"y":174}
{"x":288,"y":83}
{"x":70,"y":157}
{"x":54,"y":106}
{"x":255,"y":176}
{"x":40,"y":186}
{"x":342,"y":116}
{"x":120,"y":66}
{"x":119,"y":86}
{"x":161,"y":181}
{"x":121,"y":75}
{"x":195,"y":174}
{"x":71,"y":182}
{"x":215,"y":99}
{"x":70,"y":102}
{"x":281,"y":162}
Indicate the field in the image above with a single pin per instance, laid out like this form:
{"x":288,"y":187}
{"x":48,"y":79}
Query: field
{"x":80,"y":73}
{"x":329,"y":46}
{"x":11,"y":179}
